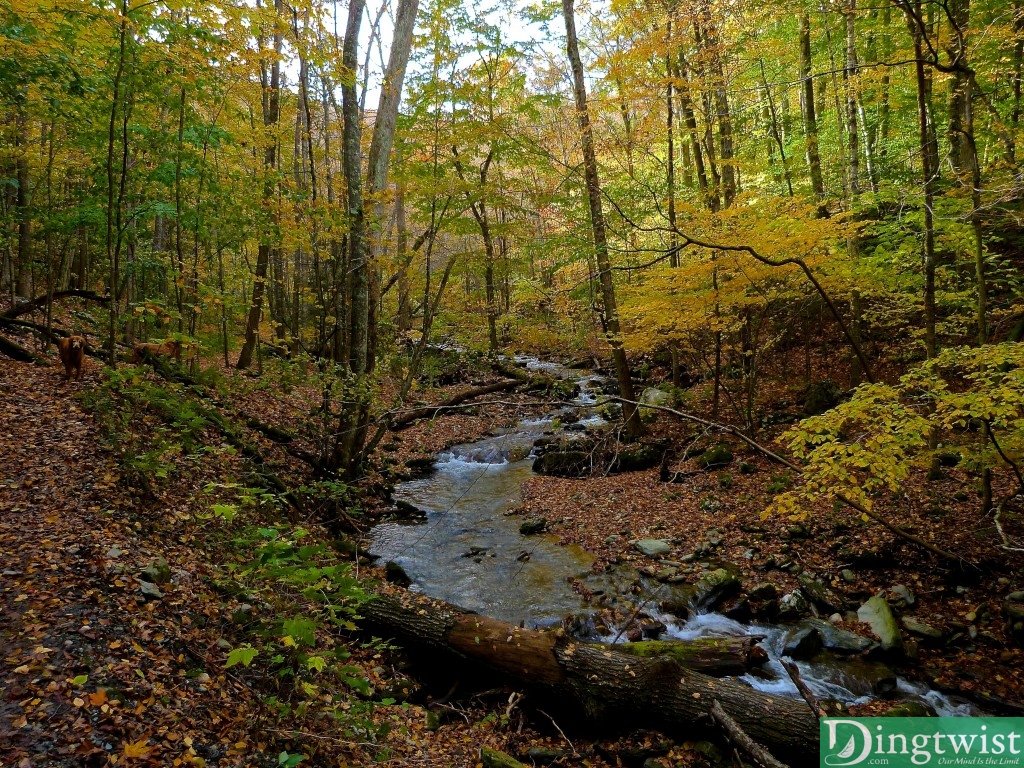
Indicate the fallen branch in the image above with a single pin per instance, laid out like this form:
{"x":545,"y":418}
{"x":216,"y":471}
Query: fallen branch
{"x":738,"y":737}
{"x":801,"y":686}
{"x":430,"y":411}
{"x":21,"y":354}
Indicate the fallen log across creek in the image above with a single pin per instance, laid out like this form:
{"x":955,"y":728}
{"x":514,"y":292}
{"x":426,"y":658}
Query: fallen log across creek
{"x":594,"y":683}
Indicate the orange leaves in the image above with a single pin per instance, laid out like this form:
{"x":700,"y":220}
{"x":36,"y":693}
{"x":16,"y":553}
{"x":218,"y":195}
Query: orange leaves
{"x":136,"y":749}
{"x":99,"y":698}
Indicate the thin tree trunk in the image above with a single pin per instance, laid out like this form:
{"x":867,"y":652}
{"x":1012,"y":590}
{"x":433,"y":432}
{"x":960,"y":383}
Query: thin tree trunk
{"x":24,"y":214}
{"x":852,"y":132}
{"x":271,"y":116}
{"x":776,"y":133}
{"x":928,"y":173}
{"x":810,"y":118}
{"x":689,"y":116}
{"x":634,"y":427}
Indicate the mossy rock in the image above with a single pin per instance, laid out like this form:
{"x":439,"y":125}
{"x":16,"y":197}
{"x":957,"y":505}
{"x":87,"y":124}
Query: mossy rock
{"x":821,"y":396}
{"x":910,"y":709}
{"x":491,"y":758}
{"x":531,"y":527}
{"x":563,"y":463}
{"x":638,"y":458}
{"x":716,"y":456}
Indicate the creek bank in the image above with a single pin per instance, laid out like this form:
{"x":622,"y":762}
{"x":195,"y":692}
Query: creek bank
{"x":468,"y":552}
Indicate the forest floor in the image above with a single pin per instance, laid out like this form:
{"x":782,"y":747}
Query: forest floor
{"x":98,"y":669}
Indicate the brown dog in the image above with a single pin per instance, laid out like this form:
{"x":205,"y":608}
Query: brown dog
{"x":169,"y":349}
{"x":71,"y":351}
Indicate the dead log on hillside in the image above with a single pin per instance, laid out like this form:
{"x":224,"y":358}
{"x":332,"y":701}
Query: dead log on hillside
{"x":430,"y":411}
{"x":26,"y":307}
{"x":17,"y":352}
{"x":600,"y":685}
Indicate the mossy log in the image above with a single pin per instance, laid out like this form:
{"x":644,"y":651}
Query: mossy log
{"x":596,"y":684}
{"x":714,"y":656}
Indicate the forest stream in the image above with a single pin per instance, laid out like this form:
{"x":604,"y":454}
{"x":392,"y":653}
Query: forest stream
{"x":468,"y":550}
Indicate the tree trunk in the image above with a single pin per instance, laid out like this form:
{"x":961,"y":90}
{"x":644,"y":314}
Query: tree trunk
{"x":271,"y":115}
{"x":810,"y":118}
{"x":852,"y":132}
{"x":602,"y":686}
{"x":634,"y":427}
{"x":24,"y":215}
{"x":928,"y":174}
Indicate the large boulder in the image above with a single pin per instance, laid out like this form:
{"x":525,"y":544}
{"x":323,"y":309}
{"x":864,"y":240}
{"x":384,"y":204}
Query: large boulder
{"x":878,"y":615}
{"x":653,"y":396}
{"x":714,"y":587}
{"x":802,"y":643}
{"x":917,"y":627}
{"x":716,"y":456}
{"x":636,"y":458}
{"x":563,"y":462}
{"x":839,"y":640}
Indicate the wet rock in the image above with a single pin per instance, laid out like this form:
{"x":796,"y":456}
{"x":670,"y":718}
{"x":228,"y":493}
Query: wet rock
{"x":802,"y":643}
{"x":839,"y":640}
{"x":739,"y":610}
{"x":763,"y":591}
{"x":714,"y":538}
{"x":543,"y":756}
{"x":652,"y":547}
{"x":885,"y":686}
{"x":396,"y":574}
{"x":793,"y":606}
{"x":158,"y":572}
{"x":879,"y":616}
{"x":531,"y":527}
{"x":904,"y":596}
{"x":714,"y":587}
{"x":917,"y":627}
{"x":818,"y":594}
{"x":848,"y":576}
{"x":421,"y":463}
{"x":716,"y":456}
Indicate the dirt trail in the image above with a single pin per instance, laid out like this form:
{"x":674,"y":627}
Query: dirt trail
{"x":89,"y":668}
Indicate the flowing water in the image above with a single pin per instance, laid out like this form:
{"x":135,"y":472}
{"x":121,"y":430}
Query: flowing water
{"x":469,"y":551}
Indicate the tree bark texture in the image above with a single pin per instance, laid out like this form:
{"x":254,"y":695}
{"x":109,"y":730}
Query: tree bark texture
{"x":634,"y":427}
{"x":603,"y":686}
